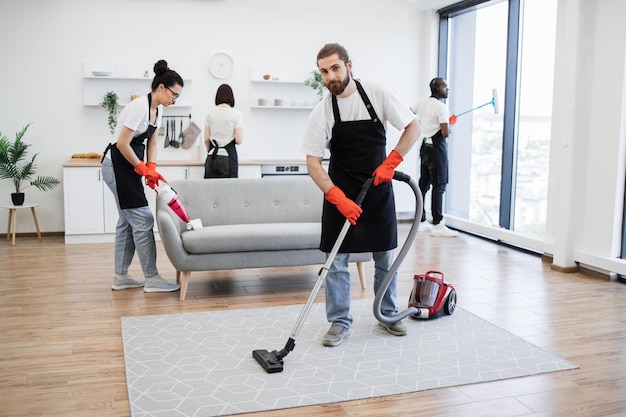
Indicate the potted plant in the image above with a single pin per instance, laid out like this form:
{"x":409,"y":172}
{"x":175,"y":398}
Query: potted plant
{"x":15,"y":165}
{"x":109,"y":102}
{"x":315,"y":82}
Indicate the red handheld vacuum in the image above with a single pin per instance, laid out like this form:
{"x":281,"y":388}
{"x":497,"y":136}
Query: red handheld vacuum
{"x":169,"y":197}
{"x":431,"y":296}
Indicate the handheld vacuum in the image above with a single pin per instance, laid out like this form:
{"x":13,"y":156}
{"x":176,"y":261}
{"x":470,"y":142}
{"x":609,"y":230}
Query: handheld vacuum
{"x":494,"y":102}
{"x":171,"y":198}
{"x":272,"y":362}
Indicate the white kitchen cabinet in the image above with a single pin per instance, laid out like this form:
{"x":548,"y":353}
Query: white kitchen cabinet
{"x":90,"y":209}
{"x":284,"y":88}
{"x":196,"y":172}
{"x":249,"y":171}
{"x":87,"y":216}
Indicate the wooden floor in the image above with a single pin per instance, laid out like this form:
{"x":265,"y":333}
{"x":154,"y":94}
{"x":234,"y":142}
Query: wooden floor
{"x":61,"y":349}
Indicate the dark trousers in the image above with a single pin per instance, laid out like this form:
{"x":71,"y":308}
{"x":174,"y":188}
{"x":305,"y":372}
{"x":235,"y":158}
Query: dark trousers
{"x":430,"y":175}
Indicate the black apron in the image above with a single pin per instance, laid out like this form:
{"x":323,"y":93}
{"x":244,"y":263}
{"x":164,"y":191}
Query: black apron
{"x":440,"y":148}
{"x":233,"y":159}
{"x":130,"y":189}
{"x":357,"y":148}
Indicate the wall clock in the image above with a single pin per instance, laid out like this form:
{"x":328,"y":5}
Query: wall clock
{"x":221,"y":65}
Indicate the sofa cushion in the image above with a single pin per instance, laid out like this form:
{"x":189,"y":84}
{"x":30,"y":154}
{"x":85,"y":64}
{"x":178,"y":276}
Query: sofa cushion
{"x":252,"y":237}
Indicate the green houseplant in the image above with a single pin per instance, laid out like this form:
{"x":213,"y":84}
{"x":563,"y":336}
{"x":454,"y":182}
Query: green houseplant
{"x":16,"y":166}
{"x":109,"y":102}
{"x":315,"y":82}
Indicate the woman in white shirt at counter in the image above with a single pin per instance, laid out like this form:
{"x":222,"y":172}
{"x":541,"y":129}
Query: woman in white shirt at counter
{"x":223,"y":129}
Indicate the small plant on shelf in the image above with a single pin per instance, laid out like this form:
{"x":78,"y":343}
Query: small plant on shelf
{"x":315,"y":82}
{"x":109,"y":102}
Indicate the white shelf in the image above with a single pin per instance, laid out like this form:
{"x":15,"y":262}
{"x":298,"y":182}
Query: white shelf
{"x":284,"y":83}
{"x":278,"y":82}
{"x":283,"y":107}
{"x":280,"y":75}
{"x":126,"y":79}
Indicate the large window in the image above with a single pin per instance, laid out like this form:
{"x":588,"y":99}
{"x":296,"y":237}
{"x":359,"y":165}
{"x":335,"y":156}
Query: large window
{"x":500,"y":58}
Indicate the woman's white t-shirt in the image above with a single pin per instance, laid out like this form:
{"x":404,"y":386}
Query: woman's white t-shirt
{"x":135,"y":116}
{"x":223,"y":121}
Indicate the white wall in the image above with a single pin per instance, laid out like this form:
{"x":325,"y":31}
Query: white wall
{"x":44,"y":44}
{"x":587,"y":156}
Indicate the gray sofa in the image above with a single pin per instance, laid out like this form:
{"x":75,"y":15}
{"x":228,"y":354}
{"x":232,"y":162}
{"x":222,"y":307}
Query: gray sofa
{"x":247,"y":223}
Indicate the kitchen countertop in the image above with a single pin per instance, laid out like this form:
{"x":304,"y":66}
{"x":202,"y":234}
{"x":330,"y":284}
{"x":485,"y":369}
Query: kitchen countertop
{"x":90,"y":162}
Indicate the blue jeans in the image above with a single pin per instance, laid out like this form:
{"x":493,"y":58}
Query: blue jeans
{"x":133,"y":231}
{"x":338,"y":287}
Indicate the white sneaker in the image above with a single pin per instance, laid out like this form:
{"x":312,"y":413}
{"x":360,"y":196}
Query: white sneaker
{"x":123,"y":282}
{"x":158,"y":284}
{"x":425,"y":226}
{"x":440,"y":230}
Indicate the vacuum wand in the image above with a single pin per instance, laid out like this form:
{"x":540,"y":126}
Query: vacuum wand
{"x":494,"y":102}
{"x":272,"y":362}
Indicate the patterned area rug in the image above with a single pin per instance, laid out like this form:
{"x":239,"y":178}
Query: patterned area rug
{"x":201,"y":364}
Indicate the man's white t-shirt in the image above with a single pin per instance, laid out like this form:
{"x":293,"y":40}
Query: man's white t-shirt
{"x":386,"y":102}
{"x":430,"y":113}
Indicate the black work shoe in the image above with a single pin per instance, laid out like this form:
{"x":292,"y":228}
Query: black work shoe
{"x":334,"y":336}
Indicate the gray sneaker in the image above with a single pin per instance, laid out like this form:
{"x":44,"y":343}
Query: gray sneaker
{"x":397,"y":329}
{"x":334,"y":336}
{"x":123,"y":282}
{"x":158,"y":284}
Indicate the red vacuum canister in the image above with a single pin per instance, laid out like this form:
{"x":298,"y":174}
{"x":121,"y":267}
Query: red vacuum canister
{"x":431,"y":296}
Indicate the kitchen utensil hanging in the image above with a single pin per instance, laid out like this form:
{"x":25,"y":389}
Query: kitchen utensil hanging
{"x":181,"y":138}
{"x":174,"y":142}
{"x":171,"y":139}
{"x":167,"y":135}
{"x":190,"y":135}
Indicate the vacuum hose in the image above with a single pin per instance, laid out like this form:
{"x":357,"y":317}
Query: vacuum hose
{"x":273,"y":361}
{"x":419,"y":204}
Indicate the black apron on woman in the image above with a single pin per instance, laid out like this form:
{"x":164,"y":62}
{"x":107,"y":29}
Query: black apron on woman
{"x":219,"y":166}
{"x":357,"y":148}
{"x":130,"y":189}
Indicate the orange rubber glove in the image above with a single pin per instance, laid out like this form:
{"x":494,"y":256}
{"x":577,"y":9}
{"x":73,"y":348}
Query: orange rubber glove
{"x":384,"y":173}
{"x":152,"y":179}
{"x":452,"y":119}
{"x":348,"y":208}
{"x":149,"y":172}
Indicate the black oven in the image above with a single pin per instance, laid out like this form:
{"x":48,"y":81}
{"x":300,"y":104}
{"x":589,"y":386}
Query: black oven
{"x":282,"y":170}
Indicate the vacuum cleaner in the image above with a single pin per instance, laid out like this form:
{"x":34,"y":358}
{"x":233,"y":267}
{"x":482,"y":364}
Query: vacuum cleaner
{"x":171,"y":198}
{"x":494,"y":102}
{"x":431,"y":296}
{"x":273,"y":362}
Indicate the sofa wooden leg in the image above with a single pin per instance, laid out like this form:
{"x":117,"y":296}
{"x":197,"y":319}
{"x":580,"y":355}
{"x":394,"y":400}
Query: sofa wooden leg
{"x":184,"y":282}
{"x":178,"y":277}
{"x":359,"y":268}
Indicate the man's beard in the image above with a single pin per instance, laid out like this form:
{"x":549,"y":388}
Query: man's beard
{"x":338,"y":87}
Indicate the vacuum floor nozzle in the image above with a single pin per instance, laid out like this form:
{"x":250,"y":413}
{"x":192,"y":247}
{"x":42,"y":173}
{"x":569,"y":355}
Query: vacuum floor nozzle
{"x":268,"y":360}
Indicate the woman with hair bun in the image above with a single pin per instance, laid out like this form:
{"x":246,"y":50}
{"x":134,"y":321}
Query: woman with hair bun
{"x":138,"y":122}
